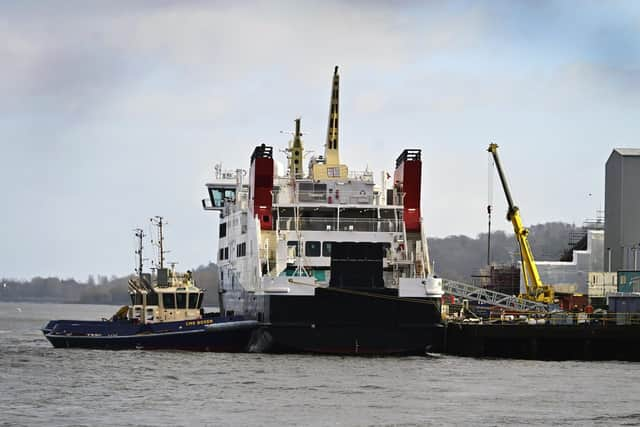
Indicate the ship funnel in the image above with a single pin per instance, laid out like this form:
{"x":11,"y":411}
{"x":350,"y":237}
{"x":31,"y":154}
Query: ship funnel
{"x":261,"y":185}
{"x":407,"y":179}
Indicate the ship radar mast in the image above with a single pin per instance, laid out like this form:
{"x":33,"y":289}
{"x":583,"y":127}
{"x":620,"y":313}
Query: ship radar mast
{"x":139,"y":235}
{"x":158,"y":221}
{"x":331,"y":168}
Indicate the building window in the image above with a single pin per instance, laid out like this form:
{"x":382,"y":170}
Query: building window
{"x":312,"y":248}
{"x":226,"y":253}
{"x":223,"y":229}
{"x":241,"y":249}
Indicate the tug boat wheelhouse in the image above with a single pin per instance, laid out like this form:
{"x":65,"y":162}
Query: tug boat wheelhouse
{"x":166,"y":314}
{"x":327,"y":261}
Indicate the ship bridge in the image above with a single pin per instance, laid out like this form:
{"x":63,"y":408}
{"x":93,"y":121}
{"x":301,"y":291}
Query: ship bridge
{"x":338,"y":218}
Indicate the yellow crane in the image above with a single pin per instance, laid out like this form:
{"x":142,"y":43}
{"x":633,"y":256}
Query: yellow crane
{"x":535,"y":290}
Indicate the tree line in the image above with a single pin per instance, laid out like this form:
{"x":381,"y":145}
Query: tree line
{"x":460,"y":257}
{"x":454,"y":257}
{"x":102,"y":290}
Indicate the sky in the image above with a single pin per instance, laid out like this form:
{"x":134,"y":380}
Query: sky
{"x":114,"y":112}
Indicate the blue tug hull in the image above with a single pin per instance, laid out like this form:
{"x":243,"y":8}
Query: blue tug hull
{"x":217,"y":334}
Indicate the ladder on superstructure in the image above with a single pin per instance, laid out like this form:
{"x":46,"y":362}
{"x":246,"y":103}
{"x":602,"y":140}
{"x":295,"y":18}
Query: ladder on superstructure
{"x":498,"y":299}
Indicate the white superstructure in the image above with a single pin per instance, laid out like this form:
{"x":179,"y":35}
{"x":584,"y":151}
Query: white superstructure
{"x":277,"y":228}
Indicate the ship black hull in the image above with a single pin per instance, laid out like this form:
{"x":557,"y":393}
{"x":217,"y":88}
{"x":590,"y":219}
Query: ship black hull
{"x":232,"y":336}
{"x":347,"y":340}
{"x":544,"y":342}
{"x":350,"y":322}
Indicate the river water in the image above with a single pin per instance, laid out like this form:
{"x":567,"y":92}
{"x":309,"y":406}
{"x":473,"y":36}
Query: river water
{"x":40,"y":385}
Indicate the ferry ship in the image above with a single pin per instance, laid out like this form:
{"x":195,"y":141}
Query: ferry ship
{"x":165,"y":314}
{"x":324,"y":258}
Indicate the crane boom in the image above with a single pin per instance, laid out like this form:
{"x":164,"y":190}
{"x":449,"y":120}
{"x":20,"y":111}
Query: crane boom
{"x":534,"y":288}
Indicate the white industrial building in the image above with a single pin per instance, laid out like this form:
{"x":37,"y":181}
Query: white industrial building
{"x":622,"y":210}
{"x":576,"y":276}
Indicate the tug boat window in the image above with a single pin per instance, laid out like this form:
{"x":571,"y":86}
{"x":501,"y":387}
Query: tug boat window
{"x":312,"y":248}
{"x":168,"y":301}
{"x":152,"y":298}
{"x":193,"y":300}
{"x":136,"y":298}
{"x":181,"y":300}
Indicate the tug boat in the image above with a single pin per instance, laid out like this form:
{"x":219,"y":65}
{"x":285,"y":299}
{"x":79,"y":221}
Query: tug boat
{"x":324,"y":258}
{"x":166,"y":314}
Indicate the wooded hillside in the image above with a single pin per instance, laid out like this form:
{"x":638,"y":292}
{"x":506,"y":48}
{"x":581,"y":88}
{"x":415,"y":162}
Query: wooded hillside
{"x":455,"y":257}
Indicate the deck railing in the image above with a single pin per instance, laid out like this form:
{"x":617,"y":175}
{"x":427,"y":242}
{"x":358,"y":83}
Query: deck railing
{"x":340,"y":224}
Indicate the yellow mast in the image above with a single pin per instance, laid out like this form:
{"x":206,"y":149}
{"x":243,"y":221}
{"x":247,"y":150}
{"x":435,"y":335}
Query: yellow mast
{"x":296,"y":153}
{"x":331,"y":168}
{"x":331,"y":151}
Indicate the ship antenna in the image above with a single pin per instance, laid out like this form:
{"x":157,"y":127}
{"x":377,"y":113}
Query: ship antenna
{"x":139,"y":235}
{"x":158,"y":222}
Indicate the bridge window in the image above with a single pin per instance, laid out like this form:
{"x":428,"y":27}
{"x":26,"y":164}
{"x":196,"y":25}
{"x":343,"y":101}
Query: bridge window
{"x":152,"y":298}
{"x":181,"y":300}
{"x":220,"y":195}
{"x":193,"y":300}
{"x":312,"y":192}
{"x":169,"y":300}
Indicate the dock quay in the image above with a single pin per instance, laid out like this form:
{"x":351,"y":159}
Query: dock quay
{"x":588,"y":341}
